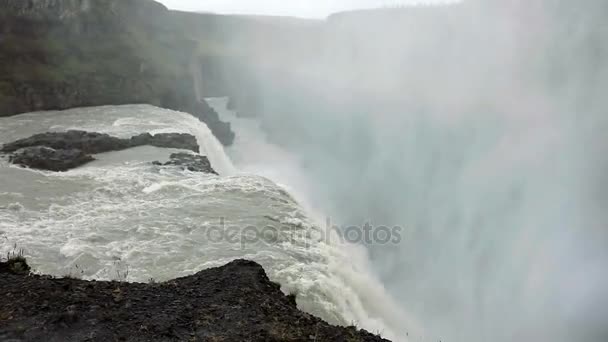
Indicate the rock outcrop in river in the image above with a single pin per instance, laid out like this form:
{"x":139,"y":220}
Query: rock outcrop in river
{"x":92,"y":142}
{"x":236,"y":302}
{"x":190,"y":162}
{"x":62,"y":151}
{"x":46,"y":158}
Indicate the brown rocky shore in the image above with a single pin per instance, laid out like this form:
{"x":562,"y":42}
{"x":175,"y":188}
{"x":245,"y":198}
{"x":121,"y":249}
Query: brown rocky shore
{"x":236,"y":302}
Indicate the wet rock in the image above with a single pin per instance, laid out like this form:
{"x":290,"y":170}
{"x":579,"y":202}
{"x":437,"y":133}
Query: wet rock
{"x":92,"y":142}
{"x":46,"y":158}
{"x":205,"y":113}
{"x":62,"y":151}
{"x":87,"y":142}
{"x":236,"y":302}
{"x":190,"y":162}
{"x":167,"y":140}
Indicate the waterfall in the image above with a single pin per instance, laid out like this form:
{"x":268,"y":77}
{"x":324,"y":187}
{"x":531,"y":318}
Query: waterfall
{"x":197,"y":79}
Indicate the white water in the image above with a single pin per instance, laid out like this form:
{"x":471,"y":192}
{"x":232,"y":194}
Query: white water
{"x":121,"y":217}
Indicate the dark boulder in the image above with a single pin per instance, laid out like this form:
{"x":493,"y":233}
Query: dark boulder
{"x":46,"y":158}
{"x":190,"y":162}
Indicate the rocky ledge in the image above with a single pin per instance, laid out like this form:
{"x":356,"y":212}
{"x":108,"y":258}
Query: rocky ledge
{"x":46,"y":158}
{"x":190,"y":162}
{"x":92,"y":143}
{"x":236,"y":302}
{"x":62,"y":151}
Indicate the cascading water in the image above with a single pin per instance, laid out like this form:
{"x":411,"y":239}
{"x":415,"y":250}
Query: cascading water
{"x":479,"y":129}
{"x":122,"y":217}
{"x":501,"y":237}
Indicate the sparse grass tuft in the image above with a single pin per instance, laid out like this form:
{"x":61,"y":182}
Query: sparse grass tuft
{"x":292,"y":296}
{"x":15,"y":262}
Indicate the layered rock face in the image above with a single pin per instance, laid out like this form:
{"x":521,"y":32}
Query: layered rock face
{"x":48,"y":8}
{"x":59,"y":54}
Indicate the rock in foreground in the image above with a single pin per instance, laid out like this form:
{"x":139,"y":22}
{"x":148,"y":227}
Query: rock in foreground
{"x":236,"y":302}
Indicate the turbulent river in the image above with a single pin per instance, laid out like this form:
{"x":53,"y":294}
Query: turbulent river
{"x":493,"y":247}
{"x":122,"y":218}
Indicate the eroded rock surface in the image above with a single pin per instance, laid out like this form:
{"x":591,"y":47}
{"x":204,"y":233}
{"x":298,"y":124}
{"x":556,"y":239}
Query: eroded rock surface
{"x":92,"y":143}
{"x":236,"y":302}
{"x":46,"y":158}
{"x":190,"y":162}
{"x":62,"y":151}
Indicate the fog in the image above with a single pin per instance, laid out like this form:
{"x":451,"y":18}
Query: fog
{"x":479,"y":128}
{"x":307,"y":9}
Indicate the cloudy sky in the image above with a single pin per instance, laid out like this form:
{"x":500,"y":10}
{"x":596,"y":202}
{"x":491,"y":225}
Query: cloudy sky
{"x":300,"y":8}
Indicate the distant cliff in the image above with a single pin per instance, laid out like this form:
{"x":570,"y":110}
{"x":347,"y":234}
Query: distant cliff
{"x":58,"y":54}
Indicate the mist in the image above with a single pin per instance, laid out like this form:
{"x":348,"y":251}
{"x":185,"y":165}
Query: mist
{"x":478,"y":127}
{"x":305,"y":9}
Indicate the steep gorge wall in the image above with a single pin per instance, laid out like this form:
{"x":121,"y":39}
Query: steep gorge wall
{"x":46,"y":8}
{"x":59,"y":54}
